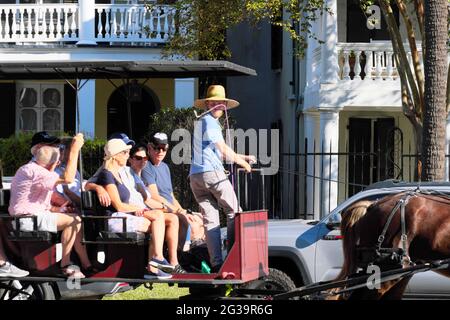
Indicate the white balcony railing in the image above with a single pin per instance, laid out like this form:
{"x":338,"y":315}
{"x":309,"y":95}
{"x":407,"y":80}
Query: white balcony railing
{"x":39,"y":23}
{"x":368,"y":61}
{"x":134,"y":23}
{"x":61,"y":23}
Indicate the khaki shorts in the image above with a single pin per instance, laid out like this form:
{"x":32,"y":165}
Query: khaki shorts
{"x":46,"y":221}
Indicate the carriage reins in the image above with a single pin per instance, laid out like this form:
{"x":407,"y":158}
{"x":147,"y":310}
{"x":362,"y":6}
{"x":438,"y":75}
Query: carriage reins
{"x":404,"y":237}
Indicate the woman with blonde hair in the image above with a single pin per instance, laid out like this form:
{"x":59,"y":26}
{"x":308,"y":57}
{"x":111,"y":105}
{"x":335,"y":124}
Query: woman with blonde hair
{"x":138,"y":219}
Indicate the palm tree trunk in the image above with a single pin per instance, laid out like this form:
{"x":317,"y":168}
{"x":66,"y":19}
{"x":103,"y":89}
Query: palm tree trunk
{"x":433,"y":150}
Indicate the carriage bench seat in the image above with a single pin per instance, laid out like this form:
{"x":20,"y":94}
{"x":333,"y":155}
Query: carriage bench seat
{"x":96,"y":230}
{"x":16,"y":234}
{"x":123,"y":237}
{"x":95,"y":224}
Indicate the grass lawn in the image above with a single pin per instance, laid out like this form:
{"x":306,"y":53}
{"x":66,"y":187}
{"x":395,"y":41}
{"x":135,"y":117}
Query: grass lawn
{"x":160,"y":291}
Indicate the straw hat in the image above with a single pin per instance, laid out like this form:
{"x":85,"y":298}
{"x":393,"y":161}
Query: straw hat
{"x":115,"y":146}
{"x":215,"y":92}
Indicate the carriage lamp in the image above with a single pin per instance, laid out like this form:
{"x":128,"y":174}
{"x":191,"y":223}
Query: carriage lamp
{"x":135,"y":91}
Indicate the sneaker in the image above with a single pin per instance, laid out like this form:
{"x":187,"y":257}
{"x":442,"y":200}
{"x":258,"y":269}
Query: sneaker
{"x":161,"y":275}
{"x":10,"y":270}
{"x":162,"y":265}
{"x":179,"y":269}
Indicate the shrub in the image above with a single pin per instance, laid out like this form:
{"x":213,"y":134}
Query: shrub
{"x":15,"y":152}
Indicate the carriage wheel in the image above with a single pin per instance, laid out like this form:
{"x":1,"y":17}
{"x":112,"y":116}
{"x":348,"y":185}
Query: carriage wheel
{"x":276,"y":280}
{"x":23,"y":290}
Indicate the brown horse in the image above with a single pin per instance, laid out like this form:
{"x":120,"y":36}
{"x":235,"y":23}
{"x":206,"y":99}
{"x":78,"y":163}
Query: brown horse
{"x":427,"y":224}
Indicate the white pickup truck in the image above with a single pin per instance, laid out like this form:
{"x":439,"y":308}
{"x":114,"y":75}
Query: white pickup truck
{"x":303,"y":252}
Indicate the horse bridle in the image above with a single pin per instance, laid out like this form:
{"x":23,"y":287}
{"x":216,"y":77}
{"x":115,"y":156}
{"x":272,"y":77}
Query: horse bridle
{"x":405,"y":258}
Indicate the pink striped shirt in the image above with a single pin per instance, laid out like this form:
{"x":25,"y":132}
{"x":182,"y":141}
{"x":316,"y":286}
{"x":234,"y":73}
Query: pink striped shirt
{"x":31,"y":189}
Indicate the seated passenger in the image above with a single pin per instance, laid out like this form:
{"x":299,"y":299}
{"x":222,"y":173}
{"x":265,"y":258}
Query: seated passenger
{"x":92,"y":185}
{"x":140,"y":196}
{"x":139,"y":218}
{"x":40,"y":139}
{"x":31,"y":191}
{"x":70,"y":192}
{"x":156,"y":176}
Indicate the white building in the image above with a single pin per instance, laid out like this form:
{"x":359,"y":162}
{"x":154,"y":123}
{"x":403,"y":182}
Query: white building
{"x":343,"y":97}
{"x":85,"y":30}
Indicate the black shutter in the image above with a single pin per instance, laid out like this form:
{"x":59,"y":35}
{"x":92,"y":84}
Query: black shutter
{"x":8,"y":109}
{"x":69,"y":109}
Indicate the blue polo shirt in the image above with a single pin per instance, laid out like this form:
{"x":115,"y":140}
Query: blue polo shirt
{"x":159,"y":175}
{"x":205,"y":155}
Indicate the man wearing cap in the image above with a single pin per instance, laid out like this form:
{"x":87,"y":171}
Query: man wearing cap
{"x":39,"y":140}
{"x":156,"y":176}
{"x":209,"y":183}
{"x":42,"y":138}
{"x":31,"y":190}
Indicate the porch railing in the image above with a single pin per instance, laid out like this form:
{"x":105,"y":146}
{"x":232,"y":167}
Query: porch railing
{"x":134,"y":23}
{"x":32,"y":23}
{"x":39,"y":23}
{"x":368,"y":61}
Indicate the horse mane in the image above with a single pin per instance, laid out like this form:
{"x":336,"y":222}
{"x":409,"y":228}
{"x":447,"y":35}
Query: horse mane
{"x":350,"y":217}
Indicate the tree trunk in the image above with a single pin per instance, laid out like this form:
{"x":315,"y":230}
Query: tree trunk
{"x":433,"y":150}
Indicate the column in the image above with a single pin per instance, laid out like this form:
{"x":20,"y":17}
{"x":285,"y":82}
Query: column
{"x":312,"y":134}
{"x":312,"y":63}
{"x":86,"y":23}
{"x":329,"y":143}
{"x":184,"y":92}
{"x":86,"y":106}
{"x":329,"y":50}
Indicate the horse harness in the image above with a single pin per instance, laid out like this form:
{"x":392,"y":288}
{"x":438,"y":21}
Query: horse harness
{"x":389,"y":257}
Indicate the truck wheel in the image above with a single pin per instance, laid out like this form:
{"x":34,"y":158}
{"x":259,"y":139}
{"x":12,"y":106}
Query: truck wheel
{"x":276,"y":280}
{"x":32,"y":290}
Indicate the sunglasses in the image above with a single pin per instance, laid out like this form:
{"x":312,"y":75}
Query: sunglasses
{"x":160,"y":148}
{"x":139,"y":158}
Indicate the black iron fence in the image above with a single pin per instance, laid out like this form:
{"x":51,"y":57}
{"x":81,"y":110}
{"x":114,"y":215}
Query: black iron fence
{"x":310,"y":183}
{"x":303,"y":182}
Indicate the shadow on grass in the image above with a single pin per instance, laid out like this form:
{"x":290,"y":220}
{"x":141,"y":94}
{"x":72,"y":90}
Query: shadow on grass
{"x":160,"y":291}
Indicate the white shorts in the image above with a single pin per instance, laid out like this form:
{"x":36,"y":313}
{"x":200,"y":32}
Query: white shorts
{"x":134,"y":223}
{"x":46,"y":221}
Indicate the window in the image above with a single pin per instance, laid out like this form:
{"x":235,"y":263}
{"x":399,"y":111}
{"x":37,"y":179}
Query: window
{"x":40,"y":107}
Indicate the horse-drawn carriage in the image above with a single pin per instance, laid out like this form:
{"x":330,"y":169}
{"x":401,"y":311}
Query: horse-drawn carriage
{"x":121,"y":256}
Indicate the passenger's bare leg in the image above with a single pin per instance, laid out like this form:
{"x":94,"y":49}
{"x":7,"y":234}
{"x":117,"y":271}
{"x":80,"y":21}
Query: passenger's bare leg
{"x":171,"y":237}
{"x":68,"y":225}
{"x":183,"y":225}
{"x":197,"y":227}
{"x":80,"y":249}
{"x":157,"y":229}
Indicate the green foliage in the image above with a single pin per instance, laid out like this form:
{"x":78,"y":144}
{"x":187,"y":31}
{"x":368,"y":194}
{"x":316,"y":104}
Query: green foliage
{"x":15,"y":152}
{"x":202,"y":24}
{"x":93,"y":153}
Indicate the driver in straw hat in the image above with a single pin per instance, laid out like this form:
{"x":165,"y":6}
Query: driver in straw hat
{"x":209,"y":183}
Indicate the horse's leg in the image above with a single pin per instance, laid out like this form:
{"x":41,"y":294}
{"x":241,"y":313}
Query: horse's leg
{"x":395,"y":292}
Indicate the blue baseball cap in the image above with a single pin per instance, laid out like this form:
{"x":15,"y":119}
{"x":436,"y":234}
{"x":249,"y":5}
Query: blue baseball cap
{"x":123,"y":137}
